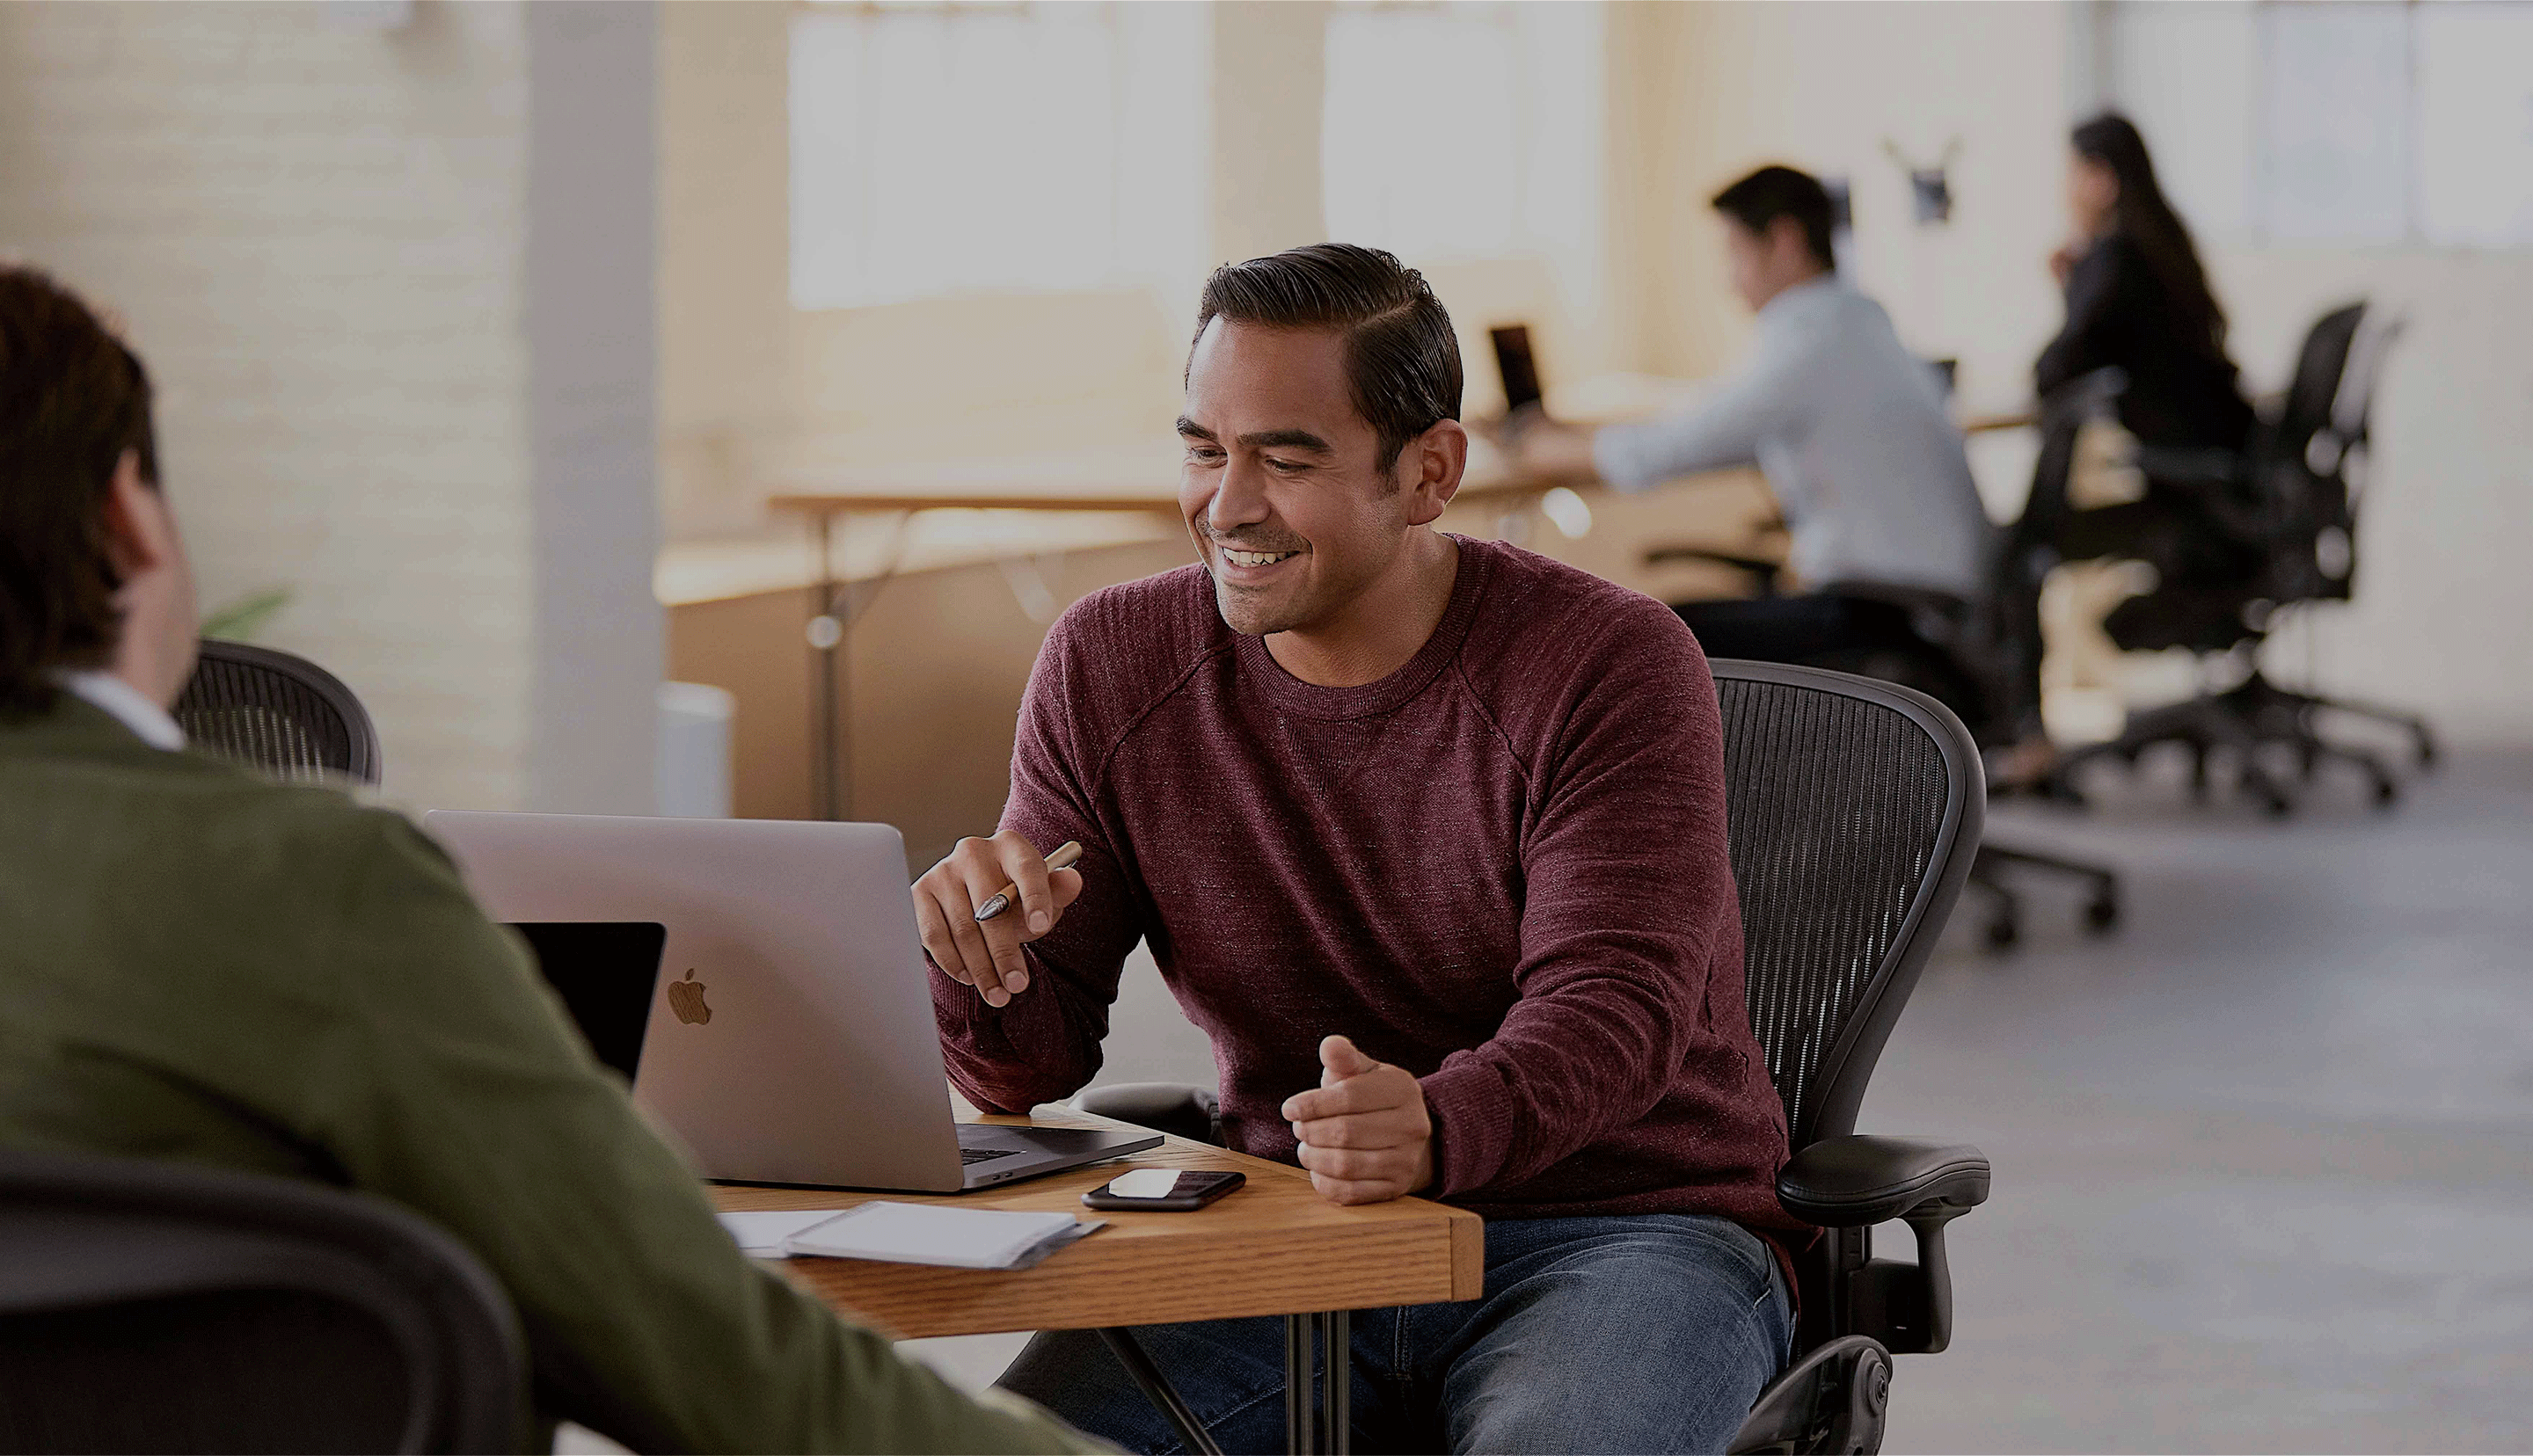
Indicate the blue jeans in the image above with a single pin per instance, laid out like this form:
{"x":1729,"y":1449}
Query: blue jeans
{"x":1640,"y":1333}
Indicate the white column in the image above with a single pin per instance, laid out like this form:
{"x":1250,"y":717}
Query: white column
{"x":591,"y":328}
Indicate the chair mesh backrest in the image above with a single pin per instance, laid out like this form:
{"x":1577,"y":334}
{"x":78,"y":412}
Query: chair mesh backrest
{"x":153,"y":1307}
{"x":285,"y":715}
{"x":2319,"y":365}
{"x":1848,"y":817}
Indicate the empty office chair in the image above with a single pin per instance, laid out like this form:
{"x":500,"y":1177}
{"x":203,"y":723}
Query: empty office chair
{"x":282,"y":714}
{"x":1855,"y":809}
{"x":156,"y":1306}
{"x":2287,"y":505}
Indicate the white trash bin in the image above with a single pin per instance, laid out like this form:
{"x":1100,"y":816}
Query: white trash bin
{"x":694,"y":750}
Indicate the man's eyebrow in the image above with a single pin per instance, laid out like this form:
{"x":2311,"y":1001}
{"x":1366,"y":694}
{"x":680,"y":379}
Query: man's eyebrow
{"x":1264,"y":439}
{"x":1287,"y":439}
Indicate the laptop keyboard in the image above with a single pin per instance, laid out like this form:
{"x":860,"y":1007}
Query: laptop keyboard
{"x":968,"y":1156}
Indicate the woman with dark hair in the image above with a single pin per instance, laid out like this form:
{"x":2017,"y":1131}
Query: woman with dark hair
{"x":2136,"y":297}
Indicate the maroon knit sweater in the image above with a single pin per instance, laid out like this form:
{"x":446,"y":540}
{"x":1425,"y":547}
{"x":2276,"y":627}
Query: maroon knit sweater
{"x":1500,"y":867}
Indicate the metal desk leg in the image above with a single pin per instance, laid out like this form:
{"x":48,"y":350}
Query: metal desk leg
{"x":1336,"y":1395}
{"x":828,"y":790}
{"x":1297,"y":1385}
{"x":1156,"y":1388}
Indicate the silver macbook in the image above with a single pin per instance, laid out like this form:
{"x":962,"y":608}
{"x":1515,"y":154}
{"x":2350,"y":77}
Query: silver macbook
{"x":791,"y":1037}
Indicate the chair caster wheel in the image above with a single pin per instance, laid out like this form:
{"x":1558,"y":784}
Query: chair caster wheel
{"x":2003,"y":930}
{"x":2387,"y":794}
{"x":2102,"y":914}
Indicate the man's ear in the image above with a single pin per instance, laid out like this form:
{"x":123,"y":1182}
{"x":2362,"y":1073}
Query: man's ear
{"x":137,"y":533}
{"x":1430,"y":470}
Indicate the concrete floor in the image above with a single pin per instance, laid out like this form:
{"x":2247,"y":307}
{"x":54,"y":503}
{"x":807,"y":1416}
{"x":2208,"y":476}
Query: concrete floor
{"x":2264,"y":1157}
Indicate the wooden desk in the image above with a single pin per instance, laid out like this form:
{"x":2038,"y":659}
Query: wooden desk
{"x":1276,"y":1247}
{"x":2010,"y":420}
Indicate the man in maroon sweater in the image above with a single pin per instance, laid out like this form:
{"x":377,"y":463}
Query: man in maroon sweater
{"x":1427,"y":834}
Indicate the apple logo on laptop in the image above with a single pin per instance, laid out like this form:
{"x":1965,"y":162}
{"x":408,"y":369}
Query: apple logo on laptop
{"x":687,"y":999}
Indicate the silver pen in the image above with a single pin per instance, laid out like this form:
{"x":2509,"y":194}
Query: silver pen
{"x":1063,"y":859}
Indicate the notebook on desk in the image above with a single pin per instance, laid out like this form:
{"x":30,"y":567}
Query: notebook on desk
{"x":787,"y":1032}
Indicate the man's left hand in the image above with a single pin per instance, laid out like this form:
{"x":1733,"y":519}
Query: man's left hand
{"x":1364,"y":1133}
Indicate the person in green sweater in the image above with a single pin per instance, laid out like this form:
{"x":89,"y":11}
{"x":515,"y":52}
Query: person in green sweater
{"x":201,"y":966}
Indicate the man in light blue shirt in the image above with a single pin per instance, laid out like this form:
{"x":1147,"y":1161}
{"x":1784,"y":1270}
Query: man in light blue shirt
{"x":1848,"y":427}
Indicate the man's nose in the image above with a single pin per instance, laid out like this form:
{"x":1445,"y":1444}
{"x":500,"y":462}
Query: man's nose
{"x":1239,"y":499}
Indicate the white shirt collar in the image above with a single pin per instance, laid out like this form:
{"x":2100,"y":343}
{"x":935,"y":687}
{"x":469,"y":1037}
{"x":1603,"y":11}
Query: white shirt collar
{"x":147,"y":719}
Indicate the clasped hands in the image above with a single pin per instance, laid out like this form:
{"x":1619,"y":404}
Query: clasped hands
{"x":1364,"y":1133}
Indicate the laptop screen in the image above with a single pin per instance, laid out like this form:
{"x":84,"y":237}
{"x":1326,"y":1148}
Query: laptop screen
{"x":605,"y":971}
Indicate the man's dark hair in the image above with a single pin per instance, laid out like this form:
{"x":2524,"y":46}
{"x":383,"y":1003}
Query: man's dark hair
{"x":1402,"y":361}
{"x":1774,"y":192}
{"x":72,"y":400}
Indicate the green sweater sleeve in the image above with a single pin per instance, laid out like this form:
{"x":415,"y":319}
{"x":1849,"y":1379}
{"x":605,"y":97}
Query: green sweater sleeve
{"x":455,"y":1086}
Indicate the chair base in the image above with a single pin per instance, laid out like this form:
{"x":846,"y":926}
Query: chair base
{"x":1988,"y":872}
{"x":2249,"y":722}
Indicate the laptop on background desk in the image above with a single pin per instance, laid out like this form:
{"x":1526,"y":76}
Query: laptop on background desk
{"x":787,"y":1032}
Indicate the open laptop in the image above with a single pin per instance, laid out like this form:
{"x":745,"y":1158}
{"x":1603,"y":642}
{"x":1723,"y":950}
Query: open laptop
{"x":791,"y":1037}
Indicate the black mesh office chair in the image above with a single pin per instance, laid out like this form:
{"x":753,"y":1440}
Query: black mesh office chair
{"x":1979,"y":658}
{"x":1855,"y":811}
{"x":155,"y":1307}
{"x":282,"y":714}
{"x":2287,"y":505}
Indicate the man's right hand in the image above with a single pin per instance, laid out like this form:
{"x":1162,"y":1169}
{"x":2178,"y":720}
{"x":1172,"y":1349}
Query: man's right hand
{"x":988,"y":956}
{"x":1547,"y":451}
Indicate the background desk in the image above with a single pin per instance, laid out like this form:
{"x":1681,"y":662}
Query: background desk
{"x":1276,"y":1247}
{"x":904,"y":494}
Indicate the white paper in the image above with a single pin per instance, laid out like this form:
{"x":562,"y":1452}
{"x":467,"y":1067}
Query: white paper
{"x":761,"y":1234}
{"x":1145,"y":1183}
{"x":930,"y":1234}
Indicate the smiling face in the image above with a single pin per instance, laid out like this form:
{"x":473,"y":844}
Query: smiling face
{"x":1286,"y":496}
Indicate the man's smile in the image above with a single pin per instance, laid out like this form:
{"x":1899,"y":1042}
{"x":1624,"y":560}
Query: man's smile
{"x":1238,"y":557}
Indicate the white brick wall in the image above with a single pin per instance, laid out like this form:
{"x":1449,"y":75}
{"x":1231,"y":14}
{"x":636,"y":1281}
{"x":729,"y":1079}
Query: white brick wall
{"x":316,"y":233}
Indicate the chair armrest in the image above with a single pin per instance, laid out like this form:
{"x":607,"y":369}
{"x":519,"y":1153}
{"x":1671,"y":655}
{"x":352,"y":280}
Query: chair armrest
{"x":1845,"y":1183}
{"x":1175,"y":1108}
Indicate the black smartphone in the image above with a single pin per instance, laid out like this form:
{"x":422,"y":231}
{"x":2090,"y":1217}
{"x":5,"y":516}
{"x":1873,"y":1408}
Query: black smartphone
{"x":1161,"y":1190}
{"x":1514,"y":361}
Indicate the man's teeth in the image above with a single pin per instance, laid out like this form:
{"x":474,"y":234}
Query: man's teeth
{"x":1254,"y":558}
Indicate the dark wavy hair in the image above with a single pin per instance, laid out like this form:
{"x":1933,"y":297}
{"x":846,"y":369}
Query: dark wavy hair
{"x":2145,"y":219}
{"x":1402,"y":360}
{"x":72,"y":400}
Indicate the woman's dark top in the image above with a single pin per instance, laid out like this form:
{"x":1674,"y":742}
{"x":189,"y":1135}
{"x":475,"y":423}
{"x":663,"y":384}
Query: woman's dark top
{"x":2182,"y":389}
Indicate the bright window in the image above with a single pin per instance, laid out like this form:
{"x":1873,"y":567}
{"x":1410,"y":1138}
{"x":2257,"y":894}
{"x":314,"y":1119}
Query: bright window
{"x":944,"y":149}
{"x":1467,"y":130}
